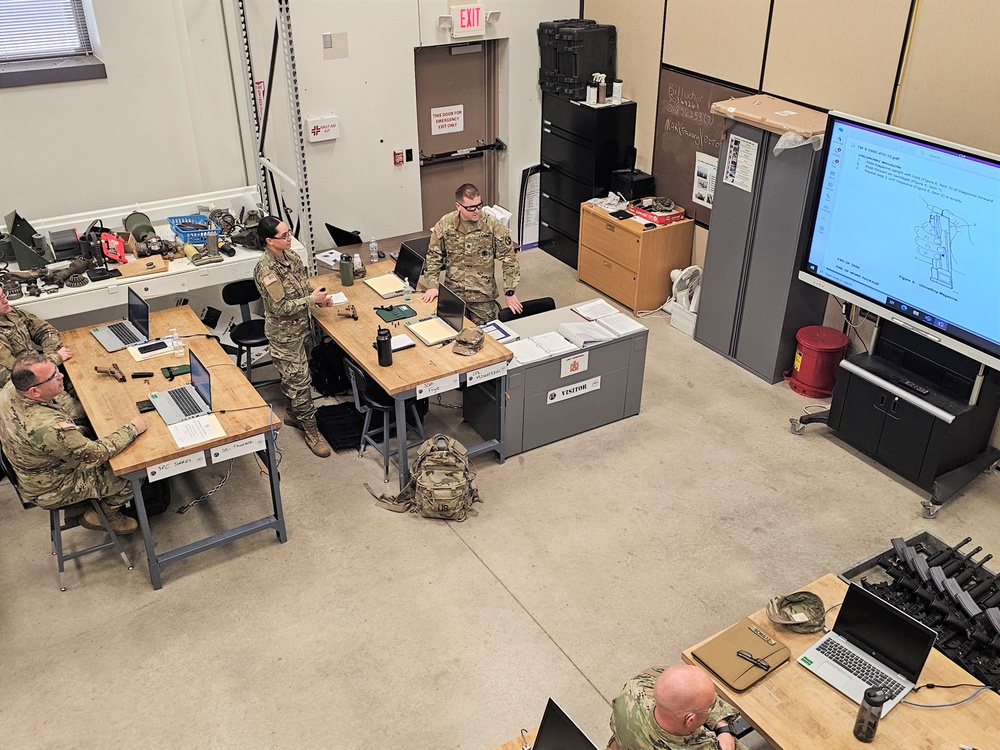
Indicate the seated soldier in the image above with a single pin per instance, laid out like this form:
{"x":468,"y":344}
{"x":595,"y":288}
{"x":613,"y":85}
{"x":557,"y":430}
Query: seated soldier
{"x":673,"y":708}
{"x":57,"y":465}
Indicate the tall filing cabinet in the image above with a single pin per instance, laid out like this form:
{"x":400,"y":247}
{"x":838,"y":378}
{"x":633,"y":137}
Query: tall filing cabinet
{"x":752,"y":301}
{"x":581,"y":147}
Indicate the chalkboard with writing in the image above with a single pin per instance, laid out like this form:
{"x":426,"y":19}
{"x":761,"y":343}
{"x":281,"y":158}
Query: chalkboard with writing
{"x":688,"y":138}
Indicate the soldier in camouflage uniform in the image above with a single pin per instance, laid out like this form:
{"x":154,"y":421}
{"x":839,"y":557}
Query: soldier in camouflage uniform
{"x":281,"y":279}
{"x":57,"y":464}
{"x":22,"y":332}
{"x":465,"y":243}
{"x":673,"y":708}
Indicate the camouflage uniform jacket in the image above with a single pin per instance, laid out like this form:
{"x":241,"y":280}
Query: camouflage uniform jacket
{"x":48,"y":449}
{"x":282,"y":283}
{"x":635,"y":728}
{"x":20,"y":332}
{"x":467,"y":252}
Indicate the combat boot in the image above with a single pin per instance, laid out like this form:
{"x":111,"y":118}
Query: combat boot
{"x":290,"y":419}
{"x":314,"y":439}
{"x":121,"y":524}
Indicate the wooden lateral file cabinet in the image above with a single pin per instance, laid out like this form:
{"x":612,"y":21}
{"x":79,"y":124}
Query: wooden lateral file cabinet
{"x":630,"y":264}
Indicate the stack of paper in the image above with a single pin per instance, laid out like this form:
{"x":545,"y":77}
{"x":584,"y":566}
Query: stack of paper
{"x":330,"y":257}
{"x":553,"y":343}
{"x":584,"y":334}
{"x":526,"y":351}
{"x":594,"y":309}
{"x":620,"y":324}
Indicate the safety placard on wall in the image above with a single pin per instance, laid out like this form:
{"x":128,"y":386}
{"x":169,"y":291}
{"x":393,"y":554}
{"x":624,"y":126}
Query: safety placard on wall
{"x":572,"y":391}
{"x":449,"y":119}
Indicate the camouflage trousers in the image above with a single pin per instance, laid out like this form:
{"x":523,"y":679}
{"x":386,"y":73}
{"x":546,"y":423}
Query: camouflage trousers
{"x":482,"y":312}
{"x":291,"y":358}
{"x":100,"y":483}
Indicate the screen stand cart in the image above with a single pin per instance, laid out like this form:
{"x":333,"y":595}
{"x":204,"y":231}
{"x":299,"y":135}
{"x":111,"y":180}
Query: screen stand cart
{"x":918,"y":408}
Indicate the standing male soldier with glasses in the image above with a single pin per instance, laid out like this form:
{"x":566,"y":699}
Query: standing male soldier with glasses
{"x":465,"y":243}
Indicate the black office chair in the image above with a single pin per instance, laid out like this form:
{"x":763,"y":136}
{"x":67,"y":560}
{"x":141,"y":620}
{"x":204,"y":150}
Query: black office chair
{"x":531,"y":307}
{"x":66,"y":517}
{"x":249,"y":332}
{"x":370,"y":398}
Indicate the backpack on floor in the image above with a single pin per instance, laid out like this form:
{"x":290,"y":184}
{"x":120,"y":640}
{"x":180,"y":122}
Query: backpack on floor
{"x":326,"y":366}
{"x":442,"y":483}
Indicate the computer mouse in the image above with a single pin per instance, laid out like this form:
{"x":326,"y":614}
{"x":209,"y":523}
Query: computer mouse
{"x":381,"y":255}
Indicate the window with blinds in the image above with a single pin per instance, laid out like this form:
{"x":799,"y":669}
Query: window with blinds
{"x":45,"y":41}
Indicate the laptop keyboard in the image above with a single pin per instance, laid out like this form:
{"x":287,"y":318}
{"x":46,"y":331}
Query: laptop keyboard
{"x":860,"y":668}
{"x":188,"y":406}
{"x":124,"y":333}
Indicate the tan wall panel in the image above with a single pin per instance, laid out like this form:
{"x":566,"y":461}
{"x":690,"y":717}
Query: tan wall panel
{"x":836,"y":54}
{"x":639,"y":25}
{"x":952,"y":63}
{"x":722,"y":39}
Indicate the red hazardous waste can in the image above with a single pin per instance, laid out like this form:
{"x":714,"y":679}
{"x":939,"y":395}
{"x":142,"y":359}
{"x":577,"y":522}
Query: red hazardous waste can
{"x":817,"y":355}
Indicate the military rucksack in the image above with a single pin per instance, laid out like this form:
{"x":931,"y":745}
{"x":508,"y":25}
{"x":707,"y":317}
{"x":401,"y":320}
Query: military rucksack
{"x":442,"y":483}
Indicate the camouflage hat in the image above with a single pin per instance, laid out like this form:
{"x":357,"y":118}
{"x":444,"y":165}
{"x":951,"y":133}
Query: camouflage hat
{"x":469,"y":341}
{"x":801,"y":612}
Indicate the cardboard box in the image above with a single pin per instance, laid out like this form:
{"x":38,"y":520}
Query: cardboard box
{"x":657,"y":217}
{"x":773,"y":114}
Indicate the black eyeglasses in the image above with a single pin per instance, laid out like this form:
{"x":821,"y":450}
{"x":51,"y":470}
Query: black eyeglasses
{"x":48,"y":379}
{"x":475,"y":207}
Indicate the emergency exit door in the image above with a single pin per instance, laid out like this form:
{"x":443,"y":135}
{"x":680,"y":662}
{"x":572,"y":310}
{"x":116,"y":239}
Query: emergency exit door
{"x":456,"y":118}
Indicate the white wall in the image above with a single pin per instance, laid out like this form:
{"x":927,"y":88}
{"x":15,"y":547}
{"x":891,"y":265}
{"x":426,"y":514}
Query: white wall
{"x":162,"y":124}
{"x":352,"y":180}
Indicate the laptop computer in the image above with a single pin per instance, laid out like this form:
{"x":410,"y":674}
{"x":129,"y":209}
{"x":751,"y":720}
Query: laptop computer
{"x":409,"y":265}
{"x":872,"y":644}
{"x":443,"y":326}
{"x":187,"y":401}
{"x":559,"y":732}
{"x":129,"y":332}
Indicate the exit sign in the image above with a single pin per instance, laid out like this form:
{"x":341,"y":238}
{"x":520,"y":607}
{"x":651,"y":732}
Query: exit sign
{"x":468,"y":20}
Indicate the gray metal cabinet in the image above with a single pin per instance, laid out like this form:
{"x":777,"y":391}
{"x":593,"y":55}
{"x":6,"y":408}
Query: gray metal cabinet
{"x":752,"y":302}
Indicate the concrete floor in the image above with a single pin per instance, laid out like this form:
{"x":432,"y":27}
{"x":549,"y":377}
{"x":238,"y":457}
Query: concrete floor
{"x":589,"y":560}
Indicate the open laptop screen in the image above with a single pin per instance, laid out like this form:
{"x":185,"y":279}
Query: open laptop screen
{"x":450,"y":308}
{"x":558,"y":732}
{"x":138,"y":313}
{"x":201,"y":380}
{"x":409,"y":265}
{"x":881,"y":630}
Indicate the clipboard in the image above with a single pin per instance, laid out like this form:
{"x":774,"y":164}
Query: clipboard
{"x":398,"y":312}
{"x":719,"y":655}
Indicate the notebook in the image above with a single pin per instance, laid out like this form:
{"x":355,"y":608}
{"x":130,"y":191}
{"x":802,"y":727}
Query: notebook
{"x":409,"y":265}
{"x":187,"y":401}
{"x":559,"y":732}
{"x":129,"y":332}
{"x":445,"y":325}
{"x":872,"y":644}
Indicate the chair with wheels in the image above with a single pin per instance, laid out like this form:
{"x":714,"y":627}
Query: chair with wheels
{"x":531,"y":307}
{"x":370,"y":398}
{"x":249,"y":332}
{"x":66,"y":517}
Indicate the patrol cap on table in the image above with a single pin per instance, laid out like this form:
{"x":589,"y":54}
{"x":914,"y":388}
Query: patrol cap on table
{"x":801,"y":611}
{"x":469,"y":341}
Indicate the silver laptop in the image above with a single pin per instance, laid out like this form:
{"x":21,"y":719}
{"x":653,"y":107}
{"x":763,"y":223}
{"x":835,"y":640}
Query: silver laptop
{"x":129,"y":332}
{"x":187,"y":401}
{"x":445,"y":325}
{"x":409,"y":266}
{"x":872,"y":644}
{"x":559,"y":732}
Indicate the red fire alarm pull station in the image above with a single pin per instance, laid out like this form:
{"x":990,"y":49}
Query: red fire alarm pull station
{"x":397,"y":157}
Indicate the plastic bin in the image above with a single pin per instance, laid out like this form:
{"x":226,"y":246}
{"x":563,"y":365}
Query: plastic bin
{"x":191,"y":235}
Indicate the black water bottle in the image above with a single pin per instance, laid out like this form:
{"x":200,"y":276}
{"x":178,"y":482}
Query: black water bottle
{"x":868,"y":715}
{"x":383,"y":345}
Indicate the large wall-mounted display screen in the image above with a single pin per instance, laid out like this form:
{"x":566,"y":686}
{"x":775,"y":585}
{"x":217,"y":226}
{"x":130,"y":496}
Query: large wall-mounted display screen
{"x":908,"y":227}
